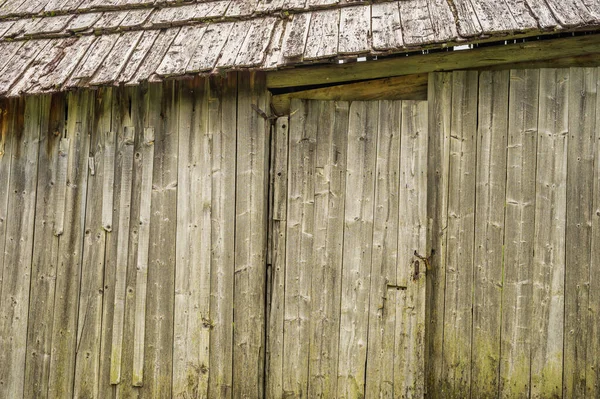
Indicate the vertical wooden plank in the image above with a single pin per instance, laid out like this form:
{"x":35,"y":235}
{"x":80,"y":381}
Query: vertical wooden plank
{"x":68,"y":276}
{"x":222,"y":125}
{"x":126,"y":154}
{"x":14,"y":301}
{"x":382,"y":313}
{"x":409,"y":365}
{"x":61,"y":184}
{"x":192,"y":283}
{"x":45,"y":254}
{"x":550,"y":229}
{"x":141,"y":281}
{"x":130,"y":111}
{"x":250,"y":235}
{"x":360,"y":187}
{"x":440,"y":114}
{"x":515,"y":346}
{"x":578,"y":266}
{"x":162,"y":114}
{"x":274,"y":372}
{"x":92,"y":278}
{"x":460,"y":232}
{"x":109,"y":179}
{"x":489,"y":231}
{"x":330,"y":189}
{"x":8,"y":116}
{"x":108,"y":119}
{"x":593,"y":321}
{"x":299,"y":246}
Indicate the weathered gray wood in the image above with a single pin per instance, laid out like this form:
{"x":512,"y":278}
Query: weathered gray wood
{"x":549,"y":238}
{"x":108,"y":174}
{"x":126,"y":154}
{"x":322,"y":37}
{"x":330,"y":188}
{"x":456,"y":348}
{"x":294,"y":37}
{"x":482,"y":57}
{"x":154,"y":56}
{"x":417,"y":28}
{"x":593,"y":323}
{"x":141,"y":281}
{"x":250,"y":236}
{"x":409,"y":364}
{"x":158,"y":354}
{"x":489,"y":231}
{"x":299,"y":246}
{"x":143,"y":47}
{"x":208,"y":50}
{"x":115,"y":61}
{"x":181,"y":51}
{"x":440,"y":114}
{"x":234,"y":43}
{"x":383,"y":291}
{"x":255,"y":44}
{"x":357,"y":247}
{"x":108,"y":119}
{"x":355,"y":29}
{"x":191,"y":344}
{"x":18,"y":248}
{"x":515,"y":346}
{"x":274,"y":370}
{"x":579,"y":267}
{"x":386,"y":26}
{"x":89,"y":326}
{"x":61,"y":184}
{"x":68,"y":273}
{"x":45,"y":252}
{"x":222,"y":126}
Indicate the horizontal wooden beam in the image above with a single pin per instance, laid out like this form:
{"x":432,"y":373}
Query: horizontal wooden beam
{"x":409,"y":87}
{"x":442,"y":61}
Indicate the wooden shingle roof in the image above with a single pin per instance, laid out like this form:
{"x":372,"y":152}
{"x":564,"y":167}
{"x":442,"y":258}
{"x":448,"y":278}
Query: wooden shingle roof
{"x":52,"y":45}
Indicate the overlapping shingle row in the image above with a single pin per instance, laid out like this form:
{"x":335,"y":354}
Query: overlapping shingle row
{"x":80,"y":43}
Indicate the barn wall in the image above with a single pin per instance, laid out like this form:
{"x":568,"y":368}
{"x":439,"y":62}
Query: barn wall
{"x":132,"y":228}
{"x":134,"y":238}
{"x":514,"y":205}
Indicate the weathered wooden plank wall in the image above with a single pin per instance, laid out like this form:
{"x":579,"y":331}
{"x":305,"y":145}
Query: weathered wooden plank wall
{"x":129,"y":230}
{"x":347,"y":309}
{"x":514,"y":216}
{"x":139,"y":256}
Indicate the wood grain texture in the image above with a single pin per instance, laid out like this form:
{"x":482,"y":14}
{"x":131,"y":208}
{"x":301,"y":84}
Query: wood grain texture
{"x":440,"y":115}
{"x":299,"y":246}
{"x":126,"y":142}
{"x":461,"y":216}
{"x":411,"y":271}
{"x":578,"y":266}
{"x":278,"y":238}
{"x":18,"y":247}
{"x":250,"y":235}
{"x":515,"y":345}
{"x":357,"y":247}
{"x":69,"y":268}
{"x":223,"y":127}
{"x":383,"y":291}
{"x":549,"y":241}
{"x":89,"y":326}
{"x":329,"y":204}
{"x":489,"y":231}
{"x":45,"y":253}
{"x":593,"y":322}
{"x":194,"y":244}
{"x":158,"y":354}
